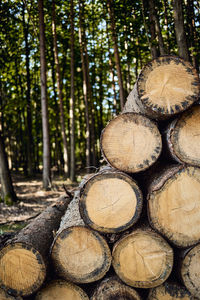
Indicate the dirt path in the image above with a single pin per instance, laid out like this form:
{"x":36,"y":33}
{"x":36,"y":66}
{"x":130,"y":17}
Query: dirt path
{"x":32,"y":199}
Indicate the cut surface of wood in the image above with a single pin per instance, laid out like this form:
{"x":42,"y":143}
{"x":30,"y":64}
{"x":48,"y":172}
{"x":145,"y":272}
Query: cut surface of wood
{"x":61,"y":290}
{"x":112,"y":288}
{"x":131,"y":142}
{"x":167,"y":85}
{"x":174,"y":206}
{"x":142,"y":259}
{"x":111,"y":202}
{"x":190,"y":271}
{"x":185,"y":137}
{"x":21,"y":268}
{"x":169,"y":291}
{"x":81,"y":255}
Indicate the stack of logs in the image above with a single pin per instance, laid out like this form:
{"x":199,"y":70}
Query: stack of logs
{"x":132,"y":230}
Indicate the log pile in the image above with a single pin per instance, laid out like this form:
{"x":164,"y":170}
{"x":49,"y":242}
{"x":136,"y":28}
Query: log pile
{"x":132,"y":230}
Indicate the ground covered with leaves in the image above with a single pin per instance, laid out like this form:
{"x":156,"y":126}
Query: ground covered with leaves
{"x":32,"y":200}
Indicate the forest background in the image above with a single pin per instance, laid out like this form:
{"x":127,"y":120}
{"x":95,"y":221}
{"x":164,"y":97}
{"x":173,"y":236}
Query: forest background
{"x":66,"y":70}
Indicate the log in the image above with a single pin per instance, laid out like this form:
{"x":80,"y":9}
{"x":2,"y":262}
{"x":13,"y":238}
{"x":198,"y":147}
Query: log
{"x":24,"y":259}
{"x":5,"y":296}
{"x":174,"y":205}
{"x":190,"y":271}
{"x":110,"y":202}
{"x":131,"y":143}
{"x":112,"y":288}
{"x":169,"y":291}
{"x":166,"y":86}
{"x":183,"y":137}
{"x":80,"y":255}
{"x":142,"y":259}
{"x":61,"y":289}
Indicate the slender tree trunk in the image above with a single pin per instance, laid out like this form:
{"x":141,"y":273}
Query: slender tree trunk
{"x":110,"y":4}
{"x":155,"y":20}
{"x":179,"y":29}
{"x":154,"y":50}
{"x":166,"y":7}
{"x":85,"y":90}
{"x":44,"y":104}
{"x":30,"y":145}
{"x":60,"y":95}
{"x":7,"y":191}
{"x":72,"y":98}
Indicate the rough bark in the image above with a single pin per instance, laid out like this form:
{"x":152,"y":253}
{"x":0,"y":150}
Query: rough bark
{"x":173,"y":204}
{"x":166,"y":86}
{"x":5,"y":296}
{"x":27,"y":253}
{"x":169,"y":291}
{"x":60,"y":94}
{"x":44,"y":103}
{"x":142,"y":259}
{"x":110,"y":4}
{"x":131,"y":142}
{"x":113,"y":288}
{"x":110,"y":202}
{"x":7,"y":191}
{"x":179,"y":29}
{"x":182,"y":137}
{"x":61,"y":289}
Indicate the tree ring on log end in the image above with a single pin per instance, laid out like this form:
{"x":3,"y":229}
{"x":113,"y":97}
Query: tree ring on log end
{"x":111,"y":202}
{"x":174,"y":207}
{"x":22,"y":269}
{"x":169,"y":291}
{"x":185,"y":137}
{"x":190,"y":271}
{"x":168,"y":85}
{"x":81,"y":255}
{"x":61,"y":289}
{"x":131,"y":142}
{"x":142,"y":259}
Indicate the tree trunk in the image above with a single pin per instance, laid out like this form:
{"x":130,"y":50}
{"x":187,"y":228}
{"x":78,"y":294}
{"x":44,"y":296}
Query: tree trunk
{"x":27,"y":253}
{"x":8,"y":195}
{"x":142,"y":259}
{"x":169,"y":291}
{"x":85,"y":90}
{"x":131,"y":143}
{"x":183,"y":137}
{"x":174,"y":203}
{"x":110,"y":202}
{"x":72,"y":98}
{"x":44,"y":104}
{"x":179,"y":29}
{"x":153,"y":40}
{"x":190,"y":271}
{"x":60,"y":95}
{"x":110,"y":4}
{"x":60,"y":289}
{"x":166,"y":86}
{"x":30,"y":144}
{"x":113,"y":288}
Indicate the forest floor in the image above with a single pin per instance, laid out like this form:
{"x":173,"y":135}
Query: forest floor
{"x":32,"y":200}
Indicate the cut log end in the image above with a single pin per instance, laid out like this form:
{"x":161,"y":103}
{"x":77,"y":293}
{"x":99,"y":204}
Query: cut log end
{"x":168,"y":85}
{"x":81,"y":255}
{"x":60,"y":289}
{"x":22,"y":269}
{"x":185,"y":137}
{"x":111,"y":202}
{"x":190,"y":271}
{"x":174,"y":208}
{"x":169,"y":291}
{"x":143,"y":259}
{"x":114,"y":289}
{"x":131,"y":142}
